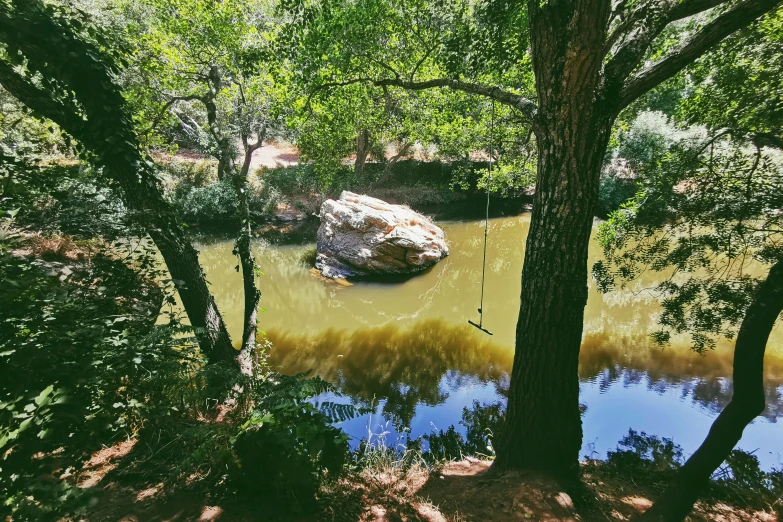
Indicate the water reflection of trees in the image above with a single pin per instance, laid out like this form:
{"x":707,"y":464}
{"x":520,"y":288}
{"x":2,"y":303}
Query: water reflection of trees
{"x":631,"y":360}
{"x":402,"y":367}
{"x":418,"y":365}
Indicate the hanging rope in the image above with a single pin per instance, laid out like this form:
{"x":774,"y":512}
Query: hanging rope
{"x":480,"y":325}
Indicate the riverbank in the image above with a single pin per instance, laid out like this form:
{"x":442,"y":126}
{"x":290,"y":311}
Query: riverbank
{"x":386,"y":489}
{"x":285,"y":193}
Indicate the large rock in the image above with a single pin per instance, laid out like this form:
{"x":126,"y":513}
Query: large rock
{"x":361,"y":236}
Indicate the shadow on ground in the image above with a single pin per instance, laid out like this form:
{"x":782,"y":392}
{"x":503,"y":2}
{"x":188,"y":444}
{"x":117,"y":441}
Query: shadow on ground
{"x":463,"y":491}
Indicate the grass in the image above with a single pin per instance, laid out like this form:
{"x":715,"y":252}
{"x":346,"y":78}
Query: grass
{"x":308,"y":257}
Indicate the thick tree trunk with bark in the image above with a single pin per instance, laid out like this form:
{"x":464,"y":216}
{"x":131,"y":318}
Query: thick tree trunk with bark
{"x":580,"y":92}
{"x":746,"y":404}
{"x":543,"y":428}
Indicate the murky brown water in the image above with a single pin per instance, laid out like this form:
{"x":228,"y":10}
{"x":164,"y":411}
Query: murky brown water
{"x":406,"y":346}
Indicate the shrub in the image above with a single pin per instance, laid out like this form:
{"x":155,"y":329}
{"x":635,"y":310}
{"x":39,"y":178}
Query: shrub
{"x":309,"y":256}
{"x":289,"y":444}
{"x":197,"y":173}
{"x":213,"y":203}
{"x":617,"y":185}
{"x":295,"y":180}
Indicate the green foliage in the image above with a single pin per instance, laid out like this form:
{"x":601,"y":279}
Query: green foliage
{"x":211,"y":204}
{"x":738,"y":481}
{"x":295,"y":180}
{"x":638,"y":149}
{"x":77,"y":357}
{"x":706,"y":216}
{"x":309,"y":256}
{"x":738,"y":85}
{"x":338,"y":54}
{"x":213,"y":69}
{"x":289,"y":442}
{"x":195,"y":173}
{"x":67,"y":199}
{"x":25,"y":137}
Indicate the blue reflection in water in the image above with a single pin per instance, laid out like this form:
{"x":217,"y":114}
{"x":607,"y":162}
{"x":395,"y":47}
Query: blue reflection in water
{"x":614,"y":406}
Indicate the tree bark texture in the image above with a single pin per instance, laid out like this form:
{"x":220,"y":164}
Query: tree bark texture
{"x":746,"y":404}
{"x":543,"y":428}
{"x":580,"y":91}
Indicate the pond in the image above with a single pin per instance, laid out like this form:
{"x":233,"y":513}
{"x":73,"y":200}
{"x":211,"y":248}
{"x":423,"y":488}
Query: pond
{"x":405,"y":349}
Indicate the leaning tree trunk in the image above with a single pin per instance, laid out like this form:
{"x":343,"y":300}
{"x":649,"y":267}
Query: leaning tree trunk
{"x":182,"y":263}
{"x":746,"y":404}
{"x":543,"y":427}
{"x":404,"y":150}
{"x":108,"y":133}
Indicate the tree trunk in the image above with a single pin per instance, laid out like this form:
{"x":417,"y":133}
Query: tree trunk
{"x":404,"y":149}
{"x":142,"y":194}
{"x":746,"y":404}
{"x":363,"y":146}
{"x":182,"y":262}
{"x":113,"y":141}
{"x":243,"y":249}
{"x":543,"y":427}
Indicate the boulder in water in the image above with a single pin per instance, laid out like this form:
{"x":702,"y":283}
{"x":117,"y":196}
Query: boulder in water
{"x":361,"y":236}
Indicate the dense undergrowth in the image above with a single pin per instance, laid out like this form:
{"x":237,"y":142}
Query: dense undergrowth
{"x":93,"y":352}
{"x":204,"y":200}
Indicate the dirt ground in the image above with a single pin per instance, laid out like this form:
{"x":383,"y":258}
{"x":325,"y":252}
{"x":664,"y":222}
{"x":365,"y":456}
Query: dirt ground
{"x":463,"y":491}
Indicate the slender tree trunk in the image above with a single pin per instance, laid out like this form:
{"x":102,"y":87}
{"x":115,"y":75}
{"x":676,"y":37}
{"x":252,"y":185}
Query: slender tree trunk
{"x":543,"y":428}
{"x":142,"y":194}
{"x":746,"y":404}
{"x":363,"y":145}
{"x":224,"y":167}
{"x":404,"y":149}
{"x":182,"y":262}
{"x":225,"y":152}
{"x":243,"y":249}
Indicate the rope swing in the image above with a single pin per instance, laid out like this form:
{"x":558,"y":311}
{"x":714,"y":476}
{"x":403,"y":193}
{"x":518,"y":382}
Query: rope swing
{"x":480,"y":324}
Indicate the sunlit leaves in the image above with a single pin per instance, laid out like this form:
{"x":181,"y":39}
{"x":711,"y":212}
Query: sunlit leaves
{"x":708,"y":219}
{"x":739,"y":84}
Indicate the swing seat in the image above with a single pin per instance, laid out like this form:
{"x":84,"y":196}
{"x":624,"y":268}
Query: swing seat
{"x":480,"y":327}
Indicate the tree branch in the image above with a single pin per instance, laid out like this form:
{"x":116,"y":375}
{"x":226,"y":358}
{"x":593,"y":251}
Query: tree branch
{"x":527,"y":107}
{"x":166,"y":107}
{"x":420,"y":62}
{"x":768,"y":139}
{"x":741,"y":16}
{"x":66,"y":115}
{"x":646,"y":23}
